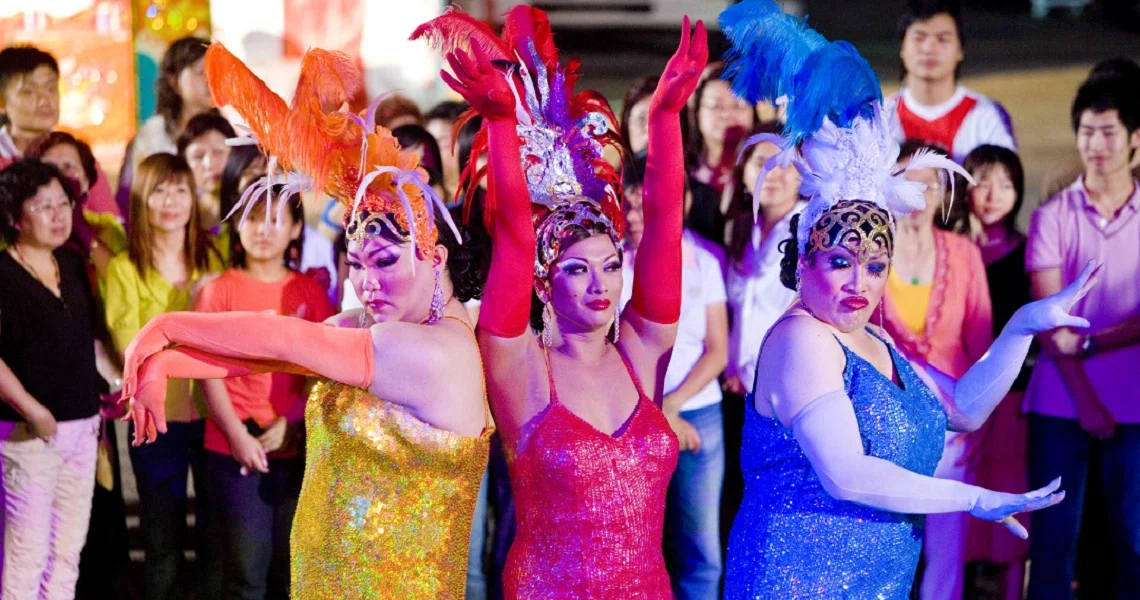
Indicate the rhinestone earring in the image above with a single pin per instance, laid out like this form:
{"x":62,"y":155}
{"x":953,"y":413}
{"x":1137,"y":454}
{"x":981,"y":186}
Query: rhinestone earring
{"x":617,"y":325}
{"x":437,"y":302}
{"x":547,"y":325}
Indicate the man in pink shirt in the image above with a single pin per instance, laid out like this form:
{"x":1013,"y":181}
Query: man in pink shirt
{"x":932,"y":106}
{"x":1083,"y":397}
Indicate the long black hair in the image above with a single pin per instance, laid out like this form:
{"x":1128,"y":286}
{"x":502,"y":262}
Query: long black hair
{"x":180,"y":55}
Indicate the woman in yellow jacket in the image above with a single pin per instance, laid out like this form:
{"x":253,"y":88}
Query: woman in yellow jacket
{"x":167,"y":257}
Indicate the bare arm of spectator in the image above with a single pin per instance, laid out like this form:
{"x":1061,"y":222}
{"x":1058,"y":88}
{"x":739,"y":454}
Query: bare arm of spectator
{"x":1123,"y":334}
{"x":711,"y":363}
{"x":244,"y":447}
{"x":12,"y":392}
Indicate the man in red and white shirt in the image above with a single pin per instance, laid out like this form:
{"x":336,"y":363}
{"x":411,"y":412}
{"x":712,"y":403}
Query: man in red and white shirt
{"x":932,"y":106}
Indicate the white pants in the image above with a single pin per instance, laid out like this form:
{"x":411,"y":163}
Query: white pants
{"x":45,"y":506}
{"x":945,"y":544}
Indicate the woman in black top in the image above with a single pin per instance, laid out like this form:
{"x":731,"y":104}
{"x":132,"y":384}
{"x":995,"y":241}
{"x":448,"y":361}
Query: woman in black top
{"x":49,"y":414}
{"x":993,"y":205}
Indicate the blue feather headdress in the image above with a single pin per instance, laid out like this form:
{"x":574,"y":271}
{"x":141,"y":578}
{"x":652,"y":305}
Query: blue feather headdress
{"x":837,"y":133}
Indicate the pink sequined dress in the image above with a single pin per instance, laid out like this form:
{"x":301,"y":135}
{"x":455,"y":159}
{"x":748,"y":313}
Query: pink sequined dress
{"x":591,"y":506}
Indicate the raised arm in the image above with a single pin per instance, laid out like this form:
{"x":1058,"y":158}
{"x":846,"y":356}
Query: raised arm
{"x":505,"y":309}
{"x":979,"y":391}
{"x":656,"y":298}
{"x":809,"y":395}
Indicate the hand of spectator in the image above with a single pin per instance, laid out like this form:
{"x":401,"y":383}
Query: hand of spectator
{"x":733,"y":385}
{"x":687,"y":436}
{"x":683,"y":70}
{"x":481,"y":83}
{"x":248,"y":451}
{"x":1095,"y":418}
{"x":40,"y":421}
{"x":1001,"y":507}
{"x":1065,"y":342}
{"x":1053,"y":312}
{"x":274,"y":438}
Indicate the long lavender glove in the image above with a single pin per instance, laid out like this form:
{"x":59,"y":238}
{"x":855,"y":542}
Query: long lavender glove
{"x":982,"y":388}
{"x":828,"y":433}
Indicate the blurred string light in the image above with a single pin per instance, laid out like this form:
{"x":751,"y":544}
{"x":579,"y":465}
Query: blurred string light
{"x":172,"y":19}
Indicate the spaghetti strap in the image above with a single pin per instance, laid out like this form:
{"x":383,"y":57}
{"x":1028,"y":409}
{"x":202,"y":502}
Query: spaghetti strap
{"x":549,"y":374}
{"x":632,"y":373}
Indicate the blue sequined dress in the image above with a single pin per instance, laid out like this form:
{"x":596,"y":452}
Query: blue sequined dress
{"x":791,"y":539}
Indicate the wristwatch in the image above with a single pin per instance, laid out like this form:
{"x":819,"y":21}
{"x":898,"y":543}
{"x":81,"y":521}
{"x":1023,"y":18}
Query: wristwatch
{"x":1089,"y":347}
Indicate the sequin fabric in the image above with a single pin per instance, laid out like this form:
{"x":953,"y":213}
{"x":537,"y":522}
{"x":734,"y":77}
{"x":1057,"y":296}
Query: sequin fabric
{"x":387,"y":501}
{"x":591,"y":507}
{"x":793,"y":540}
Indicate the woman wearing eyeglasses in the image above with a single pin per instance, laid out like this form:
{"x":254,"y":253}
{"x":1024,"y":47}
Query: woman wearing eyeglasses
{"x":937,"y":308}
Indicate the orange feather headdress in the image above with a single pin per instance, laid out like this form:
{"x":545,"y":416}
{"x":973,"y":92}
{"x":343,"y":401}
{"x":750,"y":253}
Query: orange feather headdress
{"x":317,"y":146}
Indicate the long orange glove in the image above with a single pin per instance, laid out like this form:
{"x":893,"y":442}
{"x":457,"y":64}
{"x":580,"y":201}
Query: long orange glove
{"x":147,"y":404}
{"x":291,"y":344}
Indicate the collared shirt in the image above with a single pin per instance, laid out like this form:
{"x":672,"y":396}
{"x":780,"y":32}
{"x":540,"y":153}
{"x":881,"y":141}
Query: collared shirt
{"x":1066,"y":233}
{"x":756,"y":297}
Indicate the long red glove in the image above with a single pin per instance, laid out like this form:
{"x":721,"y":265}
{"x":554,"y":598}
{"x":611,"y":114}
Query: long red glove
{"x":340,"y":354}
{"x":148,"y":403}
{"x":657,"y":270}
{"x":506,"y":306}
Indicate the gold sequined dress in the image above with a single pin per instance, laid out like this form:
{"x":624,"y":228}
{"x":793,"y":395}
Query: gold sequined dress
{"x":386,"y":506}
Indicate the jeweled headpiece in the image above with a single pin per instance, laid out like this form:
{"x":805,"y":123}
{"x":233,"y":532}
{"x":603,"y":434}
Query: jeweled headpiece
{"x":313,"y":145}
{"x":562,"y":135}
{"x":837,"y":133}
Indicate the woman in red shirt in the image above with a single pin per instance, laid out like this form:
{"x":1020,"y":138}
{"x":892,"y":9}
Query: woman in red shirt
{"x":255,"y":433}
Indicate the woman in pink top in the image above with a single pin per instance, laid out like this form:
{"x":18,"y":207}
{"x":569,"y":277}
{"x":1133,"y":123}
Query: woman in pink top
{"x":937,"y":309}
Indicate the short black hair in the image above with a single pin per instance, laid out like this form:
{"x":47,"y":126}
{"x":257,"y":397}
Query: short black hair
{"x":448,"y":110}
{"x":1117,"y":66}
{"x":633,"y":171}
{"x":229,"y":189}
{"x":19,"y":182}
{"x":1104,"y":94}
{"x":924,"y":10}
{"x":202,"y":123}
{"x":414,"y":135}
{"x":62,"y":138}
{"x":17,"y":61}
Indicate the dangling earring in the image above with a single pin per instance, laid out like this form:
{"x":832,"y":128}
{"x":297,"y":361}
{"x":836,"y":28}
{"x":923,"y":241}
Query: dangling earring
{"x":617,"y":325}
{"x":437,"y":302}
{"x":799,"y":278}
{"x":547,"y":325}
{"x":881,"y":328}
{"x":363,"y":317}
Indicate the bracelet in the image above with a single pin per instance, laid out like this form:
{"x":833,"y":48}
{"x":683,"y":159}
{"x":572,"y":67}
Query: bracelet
{"x":1089,"y":347}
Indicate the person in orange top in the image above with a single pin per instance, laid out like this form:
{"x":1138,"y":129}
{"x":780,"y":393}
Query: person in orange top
{"x":254,"y":435}
{"x":937,"y":308}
